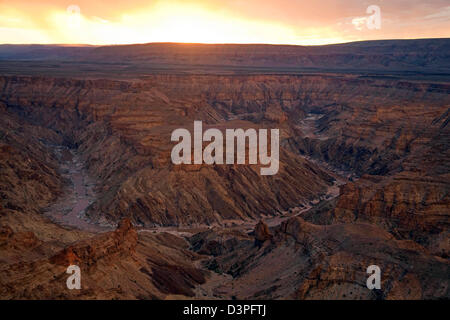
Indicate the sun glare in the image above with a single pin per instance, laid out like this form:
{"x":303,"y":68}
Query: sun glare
{"x":175,"y":22}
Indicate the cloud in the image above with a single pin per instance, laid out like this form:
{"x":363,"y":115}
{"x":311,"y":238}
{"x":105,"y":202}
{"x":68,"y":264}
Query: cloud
{"x":359,"y":22}
{"x":443,"y":14}
{"x":270,"y":21}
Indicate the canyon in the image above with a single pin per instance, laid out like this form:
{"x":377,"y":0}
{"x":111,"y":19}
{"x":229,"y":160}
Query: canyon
{"x":86,"y":175}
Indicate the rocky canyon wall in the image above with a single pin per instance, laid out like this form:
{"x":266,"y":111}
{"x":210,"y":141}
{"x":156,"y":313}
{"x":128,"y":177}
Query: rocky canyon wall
{"x":122,"y":129}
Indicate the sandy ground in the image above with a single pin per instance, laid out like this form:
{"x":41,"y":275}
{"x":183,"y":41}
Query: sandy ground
{"x":69,"y":209}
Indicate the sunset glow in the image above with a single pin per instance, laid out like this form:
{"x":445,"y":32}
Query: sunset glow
{"x":277,"y":22}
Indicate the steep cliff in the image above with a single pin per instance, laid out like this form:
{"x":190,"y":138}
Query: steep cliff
{"x":115,"y":265}
{"x":307,"y":261}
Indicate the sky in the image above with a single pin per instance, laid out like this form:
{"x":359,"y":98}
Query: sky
{"x":302,"y":22}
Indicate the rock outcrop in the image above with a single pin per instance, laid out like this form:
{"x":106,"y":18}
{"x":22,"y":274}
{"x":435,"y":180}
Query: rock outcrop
{"x":115,"y":265}
{"x":409,"y":205}
{"x":122,"y":241}
{"x":262,"y":233}
{"x":307,"y":261}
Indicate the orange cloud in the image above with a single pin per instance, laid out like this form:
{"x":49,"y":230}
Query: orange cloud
{"x":214,"y":21}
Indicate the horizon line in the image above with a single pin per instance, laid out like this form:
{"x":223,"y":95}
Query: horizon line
{"x":210,"y":43}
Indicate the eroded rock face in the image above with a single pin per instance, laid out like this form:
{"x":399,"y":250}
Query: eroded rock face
{"x":122,"y":241}
{"x":389,"y":137}
{"x":156,"y":266}
{"x":123,"y":130}
{"x":307,"y":261}
{"x":409,"y":205}
{"x":218,"y":241}
{"x":17,"y":240}
{"x":29,"y":178}
{"x":262,"y":233}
